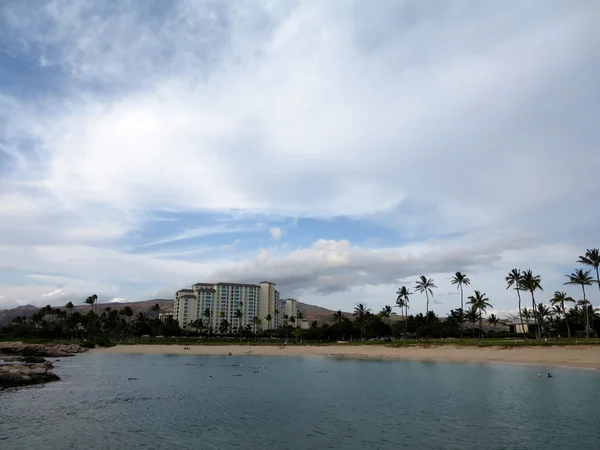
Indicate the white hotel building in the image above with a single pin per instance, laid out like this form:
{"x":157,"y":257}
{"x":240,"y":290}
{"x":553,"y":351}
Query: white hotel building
{"x":214,"y":302}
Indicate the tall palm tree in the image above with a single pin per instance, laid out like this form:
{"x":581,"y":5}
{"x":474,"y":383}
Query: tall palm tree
{"x":471,"y":315}
{"x":224,"y":325}
{"x":339,"y":316}
{"x":403,"y":301}
{"x":514,"y":279}
{"x":276,"y":314}
{"x":299,"y":317}
{"x":493,"y":320}
{"x":206,"y":315}
{"x":256,"y":322}
{"x":91,"y":300}
{"x":285,"y":325}
{"x":198,"y":324}
{"x":592,"y":259}
{"x":460,"y":280}
{"x":532,"y":283}
{"x":386,"y":313}
{"x":361,"y":313}
{"x":542,"y":312}
{"x":156,"y":308}
{"x":559,"y":300}
{"x":269,"y":319}
{"x":480,"y":302}
{"x":583,"y":279}
{"x":70,"y":307}
{"x":425,"y":285}
{"x":239,"y":315}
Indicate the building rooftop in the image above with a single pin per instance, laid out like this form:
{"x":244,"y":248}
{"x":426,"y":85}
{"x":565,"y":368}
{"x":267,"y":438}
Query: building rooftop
{"x":268,"y":282}
{"x":220,"y":283}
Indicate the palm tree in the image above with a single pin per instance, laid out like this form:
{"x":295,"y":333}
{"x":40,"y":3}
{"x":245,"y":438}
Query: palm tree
{"x":582,"y":279}
{"x":239,"y":315}
{"x":339,"y":316}
{"x":493,"y":320}
{"x":480,"y":302}
{"x":276,"y":314}
{"x":285,"y":325}
{"x":128,"y":313}
{"x":299,"y":317}
{"x":559,"y":300}
{"x":222,"y":317}
{"x":460,"y":279}
{"x":543,"y":312}
{"x":592,"y":258}
{"x":425,"y":285}
{"x":224,"y":325}
{"x":269,"y":319}
{"x":514,"y":279}
{"x":198,"y":324}
{"x":471,"y":315}
{"x":256,"y":322}
{"x":91,"y":300}
{"x":403,"y":301}
{"x":70,"y":307}
{"x":386,"y":313}
{"x":360,"y":314}
{"x":206,"y":315}
{"x":531,"y":283}
{"x":156,"y":309}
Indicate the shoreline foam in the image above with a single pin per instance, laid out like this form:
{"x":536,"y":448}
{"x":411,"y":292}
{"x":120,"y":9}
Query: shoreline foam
{"x":586,"y":357}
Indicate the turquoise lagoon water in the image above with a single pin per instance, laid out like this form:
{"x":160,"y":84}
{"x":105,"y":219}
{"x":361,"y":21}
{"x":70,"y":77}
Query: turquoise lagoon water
{"x":191,"y":402}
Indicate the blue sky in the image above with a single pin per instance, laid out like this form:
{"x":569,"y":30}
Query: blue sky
{"x":338,"y":149}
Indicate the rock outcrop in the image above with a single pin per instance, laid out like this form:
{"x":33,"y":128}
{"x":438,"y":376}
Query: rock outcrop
{"x":14,"y":375}
{"x":40,"y":350}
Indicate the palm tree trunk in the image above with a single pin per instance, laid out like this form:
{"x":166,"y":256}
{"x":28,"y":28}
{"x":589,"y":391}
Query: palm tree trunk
{"x":405,"y":322}
{"x":587,"y":320}
{"x":461,"y":311}
{"x":427,"y":307}
{"x":521,"y":315}
{"x":480,"y":325}
{"x":567,"y":321}
{"x":535,"y":318}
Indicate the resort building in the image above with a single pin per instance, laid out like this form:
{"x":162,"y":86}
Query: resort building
{"x":291,"y":309}
{"x":165,"y":317}
{"x":218,"y":304}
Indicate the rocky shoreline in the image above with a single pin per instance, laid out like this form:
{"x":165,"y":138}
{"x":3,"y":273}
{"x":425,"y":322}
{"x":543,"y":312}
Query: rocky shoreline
{"x":40,"y":350}
{"x":25,"y":364}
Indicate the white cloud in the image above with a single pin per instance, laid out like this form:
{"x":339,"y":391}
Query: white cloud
{"x":198,"y":232}
{"x":54,"y":293}
{"x":428,"y":120}
{"x":43,"y":61}
{"x":276,"y":233}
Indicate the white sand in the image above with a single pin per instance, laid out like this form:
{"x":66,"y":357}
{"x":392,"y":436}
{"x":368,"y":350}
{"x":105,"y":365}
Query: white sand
{"x":575,"y":356}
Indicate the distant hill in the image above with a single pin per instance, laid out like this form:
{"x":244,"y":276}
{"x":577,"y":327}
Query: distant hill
{"x":318,"y":313}
{"x":7,"y":315}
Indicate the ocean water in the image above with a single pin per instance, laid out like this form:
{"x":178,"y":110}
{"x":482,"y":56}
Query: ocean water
{"x":192,"y":402}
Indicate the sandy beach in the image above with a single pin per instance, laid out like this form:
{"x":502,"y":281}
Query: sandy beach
{"x":573,"y":356}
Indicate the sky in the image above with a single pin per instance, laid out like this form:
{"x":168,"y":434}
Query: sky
{"x":339,"y":149}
